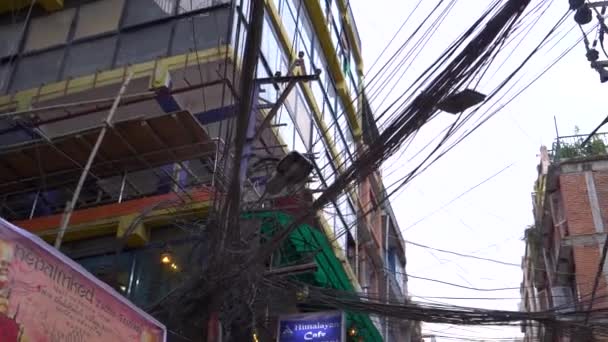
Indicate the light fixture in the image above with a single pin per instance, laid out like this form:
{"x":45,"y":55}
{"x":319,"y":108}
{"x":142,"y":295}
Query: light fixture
{"x":123,"y":288}
{"x":166,"y":257}
{"x":602,"y":68}
{"x":583,"y":15}
{"x":174,"y":267}
{"x":592,"y":55}
{"x":292,"y":170}
{"x":603,"y":74}
{"x":461,"y":101}
{"x":575,"y":4}
{"x":352,"y":331}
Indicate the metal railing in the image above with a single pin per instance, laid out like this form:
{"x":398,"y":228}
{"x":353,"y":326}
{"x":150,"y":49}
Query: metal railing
{"x":571,"y":147}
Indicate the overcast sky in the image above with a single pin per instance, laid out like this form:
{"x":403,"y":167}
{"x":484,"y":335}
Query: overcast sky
{"x":488,"y":221}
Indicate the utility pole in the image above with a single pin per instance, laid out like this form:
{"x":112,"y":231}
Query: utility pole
{"x":235,"y":236}
{"x":239,"y":297}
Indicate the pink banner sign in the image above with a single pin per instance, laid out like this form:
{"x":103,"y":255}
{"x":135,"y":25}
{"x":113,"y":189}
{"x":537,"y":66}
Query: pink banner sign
{"x":47,"y":297}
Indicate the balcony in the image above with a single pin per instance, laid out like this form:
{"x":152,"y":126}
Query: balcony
{"x":571,"y":147}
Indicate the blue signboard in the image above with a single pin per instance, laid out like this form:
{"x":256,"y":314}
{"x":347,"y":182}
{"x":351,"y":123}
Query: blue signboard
{"x":315,"y":327}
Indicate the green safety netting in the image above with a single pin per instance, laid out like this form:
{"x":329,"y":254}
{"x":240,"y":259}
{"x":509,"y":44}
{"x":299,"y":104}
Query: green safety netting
{"x":330,"y":272}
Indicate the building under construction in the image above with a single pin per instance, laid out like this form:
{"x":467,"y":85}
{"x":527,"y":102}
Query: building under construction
{"x":117,"y":124}
{"x":564,"y":247}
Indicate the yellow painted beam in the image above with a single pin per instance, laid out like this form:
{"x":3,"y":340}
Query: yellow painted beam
{"x":319,"y":23}
{"x":23,"y":100}
{"x":15,"y":5}
{"x":138,"y":236}
{"x":118,"y":224}
{"x":51,"y":5}
{"x":352,"y":37}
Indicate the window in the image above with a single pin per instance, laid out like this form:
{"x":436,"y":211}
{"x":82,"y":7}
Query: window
{"x":97,"y":53}
{"x":287,"y":130}
{"x":270,"y":49}
{"x":141,"y":11}
{"x":199,"y":26}
{"x":98,"y":17}
{"x":290,"y":26}
{"x":10,"y":34}
{"x":139,"y":275}
{"x":301,"y":115}
{"x":49,"y":30}
{"x":193,"y":5}
{"x":317,"y":93}
{"x":299,"y":144}
{"x":144,"y":45}
{"x":35,"y":70}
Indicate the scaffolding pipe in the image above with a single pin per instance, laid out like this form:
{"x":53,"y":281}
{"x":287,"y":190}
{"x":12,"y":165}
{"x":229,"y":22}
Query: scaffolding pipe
{"x":108,"y":123}
{"x":122,"y":187}
{"x":34,"y":204}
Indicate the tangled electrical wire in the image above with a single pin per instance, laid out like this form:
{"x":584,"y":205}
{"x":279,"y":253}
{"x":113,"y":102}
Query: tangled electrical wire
{"x":567,"y":319}
{"x":466,"y":60}
{"x":450,"y":73}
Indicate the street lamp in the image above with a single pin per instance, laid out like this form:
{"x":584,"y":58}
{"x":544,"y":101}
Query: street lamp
{"x":166,"y":257}
{"x":583,"y":13}
{"x":461,"y":101}
{"x":292,"y":170}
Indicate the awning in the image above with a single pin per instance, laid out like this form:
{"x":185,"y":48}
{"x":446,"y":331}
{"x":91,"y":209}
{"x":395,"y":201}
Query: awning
{"x":330,"y":272}
{"x":129,"y":146}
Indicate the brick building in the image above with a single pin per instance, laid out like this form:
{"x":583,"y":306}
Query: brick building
{"x":564,"y":246}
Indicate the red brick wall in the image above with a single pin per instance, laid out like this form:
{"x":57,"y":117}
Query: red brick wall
{"x":576,"y":203}
{"x":580,"y":222}
{"x":374,"y":220}
{"x":586,"y":260}
{"x":601,"y":187}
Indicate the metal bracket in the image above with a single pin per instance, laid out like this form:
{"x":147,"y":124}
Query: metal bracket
{"x":291,"y":83}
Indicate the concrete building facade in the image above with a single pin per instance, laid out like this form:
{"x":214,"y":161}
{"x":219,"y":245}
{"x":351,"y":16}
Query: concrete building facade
{"x":62,"y":63}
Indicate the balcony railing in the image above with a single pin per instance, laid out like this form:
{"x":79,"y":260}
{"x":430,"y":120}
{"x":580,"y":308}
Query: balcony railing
{"x":571,"y":147}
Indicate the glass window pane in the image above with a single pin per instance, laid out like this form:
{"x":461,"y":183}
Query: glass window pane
{"x":193,"y":5}
{"x":38,"y":69}
{"x":144,"y":45}
{"x":9,"y":38}
{"x":208,"y":30}
{"x":317,"y":93}
{"x":287,"y":128}
{"x":270,"y":48}
{"x":302,"y":117}
{"x":141,"y":11}
{"x":335,"y":12}
{"x":49,"y":30}
{"x":4,"y":74}
{"x":289,"y":23}
{"x":87,"y":57}
{"x":299,"y":144}
{"x":98,"y":17}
